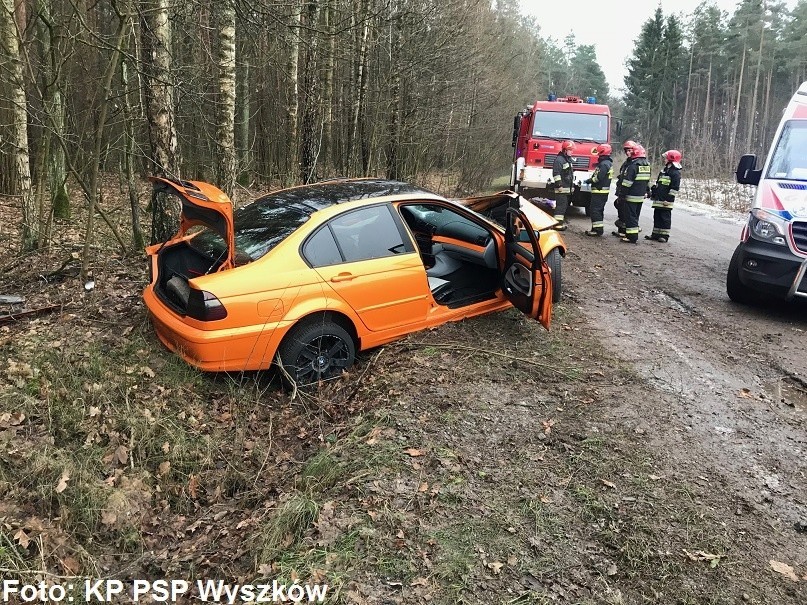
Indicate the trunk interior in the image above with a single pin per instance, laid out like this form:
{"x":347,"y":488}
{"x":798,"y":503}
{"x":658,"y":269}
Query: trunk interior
{"x":177,"y":265}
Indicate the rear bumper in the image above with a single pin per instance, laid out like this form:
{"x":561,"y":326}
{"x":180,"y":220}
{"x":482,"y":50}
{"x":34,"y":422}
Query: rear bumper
{"x":215,"y":349}
{"x":770,"y":268}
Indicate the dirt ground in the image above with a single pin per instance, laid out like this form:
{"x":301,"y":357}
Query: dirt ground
{"x":650,"y":448}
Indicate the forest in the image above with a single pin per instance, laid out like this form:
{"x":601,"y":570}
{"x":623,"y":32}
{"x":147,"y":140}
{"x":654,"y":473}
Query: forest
{"x":252,"y":95}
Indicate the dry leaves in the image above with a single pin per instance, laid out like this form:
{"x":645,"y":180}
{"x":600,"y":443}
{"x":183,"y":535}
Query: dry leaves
{"x":62,"y":485}
{"x":414,"y":452}
{"x":784,"y":569}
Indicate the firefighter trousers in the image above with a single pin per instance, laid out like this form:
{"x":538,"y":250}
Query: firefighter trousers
{"x":622,"y":216}
{"x":662,"y":222}
{"x":633,"y":210}
{"x":597,"y":211}
{"x":561,"y":206}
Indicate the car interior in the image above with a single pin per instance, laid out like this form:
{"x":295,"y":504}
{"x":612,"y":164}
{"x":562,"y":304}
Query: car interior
{"x":459,"y":255}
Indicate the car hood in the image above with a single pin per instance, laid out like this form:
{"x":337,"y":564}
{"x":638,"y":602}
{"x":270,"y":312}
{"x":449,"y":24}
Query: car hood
{"x":539,"y":219}
{"x":786,"y":198}
{"x":202,"y":204}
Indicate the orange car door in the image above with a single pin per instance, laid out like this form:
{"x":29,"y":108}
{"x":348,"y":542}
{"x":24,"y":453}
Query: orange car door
{"x":381,"y":275}
{"x":526,"y":279}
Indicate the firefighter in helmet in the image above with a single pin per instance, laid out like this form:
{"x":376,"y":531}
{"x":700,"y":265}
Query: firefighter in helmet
{"x":634,"y":188}
{"x":663,"y":195}
{"x":562,"y":182}
{"x":619,"y":202}
{"x":600,"y":186}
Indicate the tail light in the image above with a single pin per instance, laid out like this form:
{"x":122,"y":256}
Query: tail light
{"x":204,"y":306}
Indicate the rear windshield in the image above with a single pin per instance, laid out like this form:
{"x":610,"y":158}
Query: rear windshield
{"x":259,"y":227}
{"x":789,"y":160}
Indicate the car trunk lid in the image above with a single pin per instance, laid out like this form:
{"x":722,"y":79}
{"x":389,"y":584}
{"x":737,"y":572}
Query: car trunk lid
{"x":202,"y":205}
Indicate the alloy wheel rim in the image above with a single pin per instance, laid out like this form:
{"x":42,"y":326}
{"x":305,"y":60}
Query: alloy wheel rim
{"x":323,"y":357}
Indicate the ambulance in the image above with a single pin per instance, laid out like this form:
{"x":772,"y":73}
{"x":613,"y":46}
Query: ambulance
{"x":771,"y":259}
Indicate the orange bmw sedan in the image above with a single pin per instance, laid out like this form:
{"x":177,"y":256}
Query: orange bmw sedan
{"x":305,"y":277}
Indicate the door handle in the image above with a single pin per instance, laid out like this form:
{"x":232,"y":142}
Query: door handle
{"x":342,"y":277}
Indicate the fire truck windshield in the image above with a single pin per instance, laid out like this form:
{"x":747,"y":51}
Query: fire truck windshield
{"x":575,"y":126}
{"x":789,"y":160}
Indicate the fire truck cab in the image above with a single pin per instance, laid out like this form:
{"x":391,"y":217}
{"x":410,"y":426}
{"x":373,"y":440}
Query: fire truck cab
{"x":538,"y":132}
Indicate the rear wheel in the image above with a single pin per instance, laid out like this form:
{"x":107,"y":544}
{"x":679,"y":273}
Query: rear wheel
{"x":553,"y":261}
{"x":319,"y":349}
{"x":737,"y":291}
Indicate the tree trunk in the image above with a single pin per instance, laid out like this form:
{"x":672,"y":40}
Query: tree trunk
{"x":294,"y":91}
{"x":157,"y":65}
{"x":752,"y":112}
{"x":19,"y":126}
{"x":395,"y":102}
{"x":311,"y":131}
{"x":225,"y":106}
{"x":129,"y":151}
{"x":733,"y":139}
{"x":157,"y":49}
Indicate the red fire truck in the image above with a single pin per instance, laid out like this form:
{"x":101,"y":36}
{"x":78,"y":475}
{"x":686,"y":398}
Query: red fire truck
{"x":538,"y":132}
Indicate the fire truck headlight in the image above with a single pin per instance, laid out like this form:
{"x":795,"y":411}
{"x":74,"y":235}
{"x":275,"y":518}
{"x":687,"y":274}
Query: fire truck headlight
{"x":767,"y":227}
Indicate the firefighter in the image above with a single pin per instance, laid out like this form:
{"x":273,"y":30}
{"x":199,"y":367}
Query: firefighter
{"x":600,"y":186}
{"x":562,"y":182}
{"x":663,"y":195}
{"x":634,"y":188}
{"x":619,"y":202}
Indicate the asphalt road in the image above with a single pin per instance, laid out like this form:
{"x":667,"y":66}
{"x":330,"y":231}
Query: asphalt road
{"x":721,"y":388}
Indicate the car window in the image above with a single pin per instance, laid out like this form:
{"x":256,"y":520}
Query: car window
{"x":367,"y":233}
{"x":320,"y":250}
{"x":439,"y":220}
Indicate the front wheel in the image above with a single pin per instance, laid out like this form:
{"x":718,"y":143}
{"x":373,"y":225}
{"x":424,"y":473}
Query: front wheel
{"x":553,"y":261}
{"x":316,"y":350}
{"x":737,"y":291}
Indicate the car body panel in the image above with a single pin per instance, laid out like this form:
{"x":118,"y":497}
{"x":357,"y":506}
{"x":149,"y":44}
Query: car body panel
{"x":381,"y":298}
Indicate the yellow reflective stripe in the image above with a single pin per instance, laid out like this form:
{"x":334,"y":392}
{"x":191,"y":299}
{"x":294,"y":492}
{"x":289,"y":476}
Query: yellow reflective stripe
{"x":664,"y":180}
{"x":642,"y":177}
{"x":595,"y":225}
{"x":635,"y":198}
{"x":556,"y":178}
{"x":658,"y":204}
{"x":600,"y":191}
{"x":566,"y":165}
{"x":673,"y":192}
{"x":560,"y":217}
{"x":626,"y":183}
{"x":632,"y":230}
{"x":563,"y":190}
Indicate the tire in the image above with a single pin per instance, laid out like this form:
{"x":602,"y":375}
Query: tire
{"x":553,"y":259}
{"x":736,"y":290}
{"x":316,"y":349}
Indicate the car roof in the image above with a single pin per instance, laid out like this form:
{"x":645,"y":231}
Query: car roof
{"x":310,"y":198}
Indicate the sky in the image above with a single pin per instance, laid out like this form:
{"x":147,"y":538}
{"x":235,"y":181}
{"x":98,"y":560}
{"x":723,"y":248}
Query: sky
{"x":609,"y":26}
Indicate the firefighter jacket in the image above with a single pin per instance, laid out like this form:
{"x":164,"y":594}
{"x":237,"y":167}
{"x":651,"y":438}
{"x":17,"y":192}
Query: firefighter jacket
{"x":563,"y":173}
{"x":635,"y":181}
{"x":622,"y":168}
{"x":666,"y":187}
{"x":601,"y":177}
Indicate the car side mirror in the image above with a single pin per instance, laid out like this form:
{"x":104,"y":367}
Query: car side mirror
{"x":746,"y":173}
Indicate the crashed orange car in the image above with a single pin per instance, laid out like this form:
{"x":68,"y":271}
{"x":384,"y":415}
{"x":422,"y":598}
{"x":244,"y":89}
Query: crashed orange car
{"x":305,"y":277}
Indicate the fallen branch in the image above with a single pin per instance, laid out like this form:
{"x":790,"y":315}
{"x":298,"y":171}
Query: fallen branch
{"x":12,"y":317}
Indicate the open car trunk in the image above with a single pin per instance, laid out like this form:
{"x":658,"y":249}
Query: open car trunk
{"x":178,"y":261}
